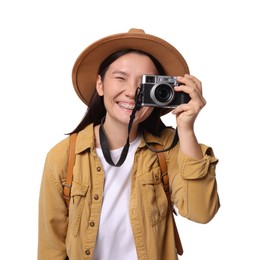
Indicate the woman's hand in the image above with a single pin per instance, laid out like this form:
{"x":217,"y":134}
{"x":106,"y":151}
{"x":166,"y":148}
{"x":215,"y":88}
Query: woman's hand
{"x":187,"y":113}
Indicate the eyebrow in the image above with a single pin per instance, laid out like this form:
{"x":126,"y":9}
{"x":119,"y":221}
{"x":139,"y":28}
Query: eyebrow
{"x":119,"y":72}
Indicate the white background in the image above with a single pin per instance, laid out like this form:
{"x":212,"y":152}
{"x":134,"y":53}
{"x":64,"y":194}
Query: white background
{"x":39,"y":43}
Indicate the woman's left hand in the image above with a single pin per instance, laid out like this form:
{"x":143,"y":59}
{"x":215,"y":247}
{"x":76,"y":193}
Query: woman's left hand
{"x":187,"y":113}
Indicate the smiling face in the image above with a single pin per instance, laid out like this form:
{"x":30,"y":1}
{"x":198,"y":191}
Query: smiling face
{"x":119,"y":85}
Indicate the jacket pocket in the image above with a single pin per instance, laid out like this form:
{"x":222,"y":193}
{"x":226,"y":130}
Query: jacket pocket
{"x":154,"y":197}
{"x":78,"y":196}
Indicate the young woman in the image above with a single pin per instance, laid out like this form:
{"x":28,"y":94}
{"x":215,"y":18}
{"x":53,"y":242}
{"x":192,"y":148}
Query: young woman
{"x":118,"y":207}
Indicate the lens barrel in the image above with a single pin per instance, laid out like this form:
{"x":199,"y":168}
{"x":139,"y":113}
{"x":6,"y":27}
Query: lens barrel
{"x":162,"y":94}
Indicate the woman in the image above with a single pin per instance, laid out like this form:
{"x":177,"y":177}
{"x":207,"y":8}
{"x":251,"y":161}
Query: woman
{"x":118,"y":207}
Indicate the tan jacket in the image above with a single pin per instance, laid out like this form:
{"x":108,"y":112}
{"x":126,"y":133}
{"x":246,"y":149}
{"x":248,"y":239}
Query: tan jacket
{"x":193,"y":186}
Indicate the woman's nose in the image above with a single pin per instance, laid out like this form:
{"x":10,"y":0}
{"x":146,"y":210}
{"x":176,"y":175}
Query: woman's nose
{"x":131,"y":89}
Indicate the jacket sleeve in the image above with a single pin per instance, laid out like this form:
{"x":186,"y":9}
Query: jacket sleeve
{"x":194,"y":186}
{"x":53,"y":219}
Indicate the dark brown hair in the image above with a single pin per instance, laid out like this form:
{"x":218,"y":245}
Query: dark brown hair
{"x":96,"y":109}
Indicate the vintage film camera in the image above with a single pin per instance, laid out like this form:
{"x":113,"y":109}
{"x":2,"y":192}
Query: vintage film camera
{"x":158,"y":91}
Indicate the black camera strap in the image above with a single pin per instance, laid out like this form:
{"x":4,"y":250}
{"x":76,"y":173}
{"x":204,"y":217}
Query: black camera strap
{"x":174,"y":143}
{"x":105,"y":146}
{"x":106,"y":149}
{"x":104,"y":142}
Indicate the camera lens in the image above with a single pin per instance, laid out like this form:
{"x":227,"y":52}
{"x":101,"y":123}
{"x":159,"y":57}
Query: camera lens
{"x":162,"y":94}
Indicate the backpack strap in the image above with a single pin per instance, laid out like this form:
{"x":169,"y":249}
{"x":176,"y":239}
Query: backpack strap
{"x":70,"y":165}
{"x":165,"y":181}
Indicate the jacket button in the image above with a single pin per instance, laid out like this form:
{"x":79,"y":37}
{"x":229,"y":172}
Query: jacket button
{"x":92,"y":224}
{"x":98,"y":168}
{"x":87,"y":252}
{"x":96,"y":197}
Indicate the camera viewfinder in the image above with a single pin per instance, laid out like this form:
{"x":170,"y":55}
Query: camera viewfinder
{"x":150,"y":79}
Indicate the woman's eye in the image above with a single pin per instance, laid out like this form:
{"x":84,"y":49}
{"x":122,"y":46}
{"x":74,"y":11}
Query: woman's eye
{"x":120,"y":78}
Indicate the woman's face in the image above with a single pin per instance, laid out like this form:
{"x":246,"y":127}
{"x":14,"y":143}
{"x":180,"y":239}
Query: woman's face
{"x":119,"y":86}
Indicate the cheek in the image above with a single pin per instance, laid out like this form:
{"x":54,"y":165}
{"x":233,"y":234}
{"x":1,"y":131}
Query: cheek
{"x":143,"y":113}
{"x":106,"y":101}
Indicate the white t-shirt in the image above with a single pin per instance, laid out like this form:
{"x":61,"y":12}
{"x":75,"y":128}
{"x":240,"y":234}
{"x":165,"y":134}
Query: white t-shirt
{"x":115,"y":238}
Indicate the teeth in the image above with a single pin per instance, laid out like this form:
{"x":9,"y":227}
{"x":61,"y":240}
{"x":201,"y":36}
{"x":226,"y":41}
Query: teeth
{"x":126,"y":105}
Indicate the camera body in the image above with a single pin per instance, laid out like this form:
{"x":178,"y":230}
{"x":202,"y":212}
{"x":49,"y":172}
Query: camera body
{"x":158,"y":91}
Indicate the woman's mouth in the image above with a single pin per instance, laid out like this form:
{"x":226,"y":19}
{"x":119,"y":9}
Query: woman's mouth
{"x":126,"y":105}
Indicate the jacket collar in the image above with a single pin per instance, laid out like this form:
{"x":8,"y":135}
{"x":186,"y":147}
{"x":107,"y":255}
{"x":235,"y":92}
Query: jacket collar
{"x":148,"y":138}
{"x":86,"y":139}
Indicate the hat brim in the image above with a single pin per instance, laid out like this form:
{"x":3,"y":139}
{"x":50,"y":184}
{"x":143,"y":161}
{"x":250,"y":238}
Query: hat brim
{"x":85,"y":70}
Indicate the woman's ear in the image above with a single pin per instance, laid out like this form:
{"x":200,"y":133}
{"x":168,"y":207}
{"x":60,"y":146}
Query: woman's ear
{"x":99,"y":85}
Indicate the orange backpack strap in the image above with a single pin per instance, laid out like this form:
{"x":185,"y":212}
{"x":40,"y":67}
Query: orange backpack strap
{"x":165,"y":181}
{"x":70,"y":166}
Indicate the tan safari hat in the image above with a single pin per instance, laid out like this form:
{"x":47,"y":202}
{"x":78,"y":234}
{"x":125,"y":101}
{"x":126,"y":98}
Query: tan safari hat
{"x":86,"y":67}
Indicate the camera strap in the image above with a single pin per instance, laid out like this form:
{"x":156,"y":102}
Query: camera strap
{"x":105,"y":146}
{"x":173,"y":144}
{"x":104,"y":142}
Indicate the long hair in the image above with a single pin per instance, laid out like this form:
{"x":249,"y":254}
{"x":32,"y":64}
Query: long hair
{"x":96,"y":109}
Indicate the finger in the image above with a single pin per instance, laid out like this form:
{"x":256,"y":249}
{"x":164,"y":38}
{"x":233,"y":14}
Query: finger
{"x":191,"y":81}
{"x":196,"y":81}
{"x":181,"y":108}
{"x":193,"y":91}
